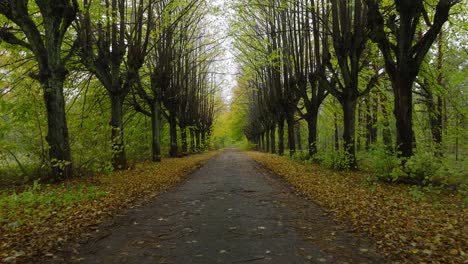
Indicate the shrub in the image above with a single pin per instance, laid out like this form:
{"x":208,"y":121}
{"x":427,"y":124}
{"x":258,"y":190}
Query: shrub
{"x":335,"y":160}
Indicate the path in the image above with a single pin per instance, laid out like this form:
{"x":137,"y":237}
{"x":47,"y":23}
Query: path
{"x":229,"y":211}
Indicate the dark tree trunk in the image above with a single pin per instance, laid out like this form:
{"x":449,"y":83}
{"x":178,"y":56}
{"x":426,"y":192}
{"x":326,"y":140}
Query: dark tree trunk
{"x":173,"y":151}
{"x":267,"y":139}
{"x":311,"y":119}
{"x":192,"y":140}
{"x":262,"y":139}
{"x":281,"y":136}
{"x":386,"y":133}
{"x":198,"y":138}
{"x":273,"y":139}
{"x":297,"y":131}
{"x":156,"y":132}
{"x":183,"y":137}
{"x":403,"y":111}
{"x":349,"y":130}
{"x":337,"y":133}
{"x":119,"y":159}
{"x":57,"y":135}
{"x":291,"y":134}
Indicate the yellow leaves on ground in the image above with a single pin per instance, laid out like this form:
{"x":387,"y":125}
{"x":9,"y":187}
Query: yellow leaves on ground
{"x":47,"y":232}
{"x":405,"y":230}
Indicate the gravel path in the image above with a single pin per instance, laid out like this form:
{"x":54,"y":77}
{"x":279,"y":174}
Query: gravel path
{"x":229,"y":211}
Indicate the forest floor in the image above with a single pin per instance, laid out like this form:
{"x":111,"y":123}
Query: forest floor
{"x":229,"y":211}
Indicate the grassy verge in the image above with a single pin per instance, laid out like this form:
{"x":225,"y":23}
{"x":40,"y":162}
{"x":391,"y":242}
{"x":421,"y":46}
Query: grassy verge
{"x":408,"y":224}
{"x":42,"y":218}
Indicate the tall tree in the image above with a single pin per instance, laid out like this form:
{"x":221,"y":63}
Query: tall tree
{"x":113,"y":48}
{"x":403,"y":53}
{"x":44,"y":36}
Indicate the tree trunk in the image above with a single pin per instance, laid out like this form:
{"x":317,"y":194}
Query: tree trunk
{"x":262,"y":142}
{"x":267,"y":138}
{"x":119,"y":159}
{"x":349,"y":129}
{"x":281,"y":136}
{"x":183,"y":137}
{"x":192,"y":140}
{"x":273,"y":139}
{"x":57,"y":135}
{"x":337,"y":133}
{"x":156,"y":131}
{"x":311,"y":119}
{"x":198,"y":138}
{"x":403,"y":111}
{"x":386,"y":133}
{"x":173,"y":151}
{"x":297,"y":131}
{"x":203,"y":139}
{"x":291,"y":134}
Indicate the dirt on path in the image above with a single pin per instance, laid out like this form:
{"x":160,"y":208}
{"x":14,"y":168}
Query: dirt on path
{"x":229,"y":211}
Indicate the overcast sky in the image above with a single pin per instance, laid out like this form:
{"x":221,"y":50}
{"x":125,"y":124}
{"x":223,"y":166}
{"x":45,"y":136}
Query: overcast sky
{"x":226,"y":67}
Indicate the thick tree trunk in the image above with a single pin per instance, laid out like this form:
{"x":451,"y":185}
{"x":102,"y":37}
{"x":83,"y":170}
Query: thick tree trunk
{"x":203,"y":140}
{"x":57,"y":135}
{"x":291,"y":134}
{"x":198,"y":138}
{"x":281,"y":136}
{"x":297,"y":131}
{"x":386,"y":133}
{"x":337,"y":133}
{"x":267,"y":139}
{"x":119,"y":159}
{"x":183,"y":137}
{"x":349,"y":130}
{"x":311,"y":119}
{"x":192,"y":140}
{"x":173,"y":151}
{"x":156,"y":132}
{"x":262,"y":142}
{"x":403,"y":111}
{"x":273,"y":139}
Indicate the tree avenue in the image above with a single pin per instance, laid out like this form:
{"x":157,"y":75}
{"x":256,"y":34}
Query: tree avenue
{"x":301,"y":59}
{"x":98,"y":60}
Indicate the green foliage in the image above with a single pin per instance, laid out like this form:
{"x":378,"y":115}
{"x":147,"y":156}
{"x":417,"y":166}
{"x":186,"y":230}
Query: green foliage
{"x":335,"y":160}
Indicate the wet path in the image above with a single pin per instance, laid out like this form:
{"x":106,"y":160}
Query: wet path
{"x":229,"y":211}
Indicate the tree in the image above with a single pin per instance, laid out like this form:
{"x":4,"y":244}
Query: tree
{"x":113,"y":48}
{"x":45,"y":37}
{"x":403,"y":53}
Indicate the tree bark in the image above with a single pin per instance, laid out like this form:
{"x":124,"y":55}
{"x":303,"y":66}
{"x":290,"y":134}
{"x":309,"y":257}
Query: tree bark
{"x":183,"y":137}
{"x":173,"y":151}
{"x":349,"y":129}
{"x":119,"y":158}
{"x":192,"y":140}
{"x":267,"y":139}
{"x":403,"y":112}
{"x":291,"y":134}
{"x":311,"y":119}
{"x":57,"y":134}
{"x":273,"y":139}
{"x":281,"y":136}
{"x":156,"y":132}
{"x":297,"y":131}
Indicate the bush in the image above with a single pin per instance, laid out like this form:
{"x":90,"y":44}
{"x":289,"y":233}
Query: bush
{"x":383,"y":163}
{"x":335,"y":160}
{"x":301,"y":156}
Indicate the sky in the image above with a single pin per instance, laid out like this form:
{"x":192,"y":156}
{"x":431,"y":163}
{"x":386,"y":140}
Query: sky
{"x":226,"y":66}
